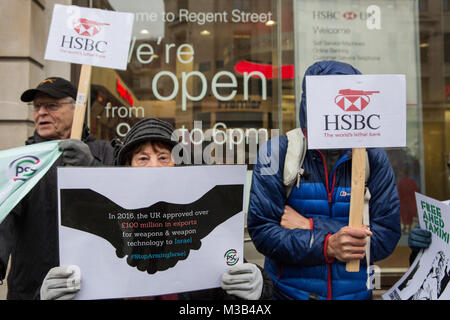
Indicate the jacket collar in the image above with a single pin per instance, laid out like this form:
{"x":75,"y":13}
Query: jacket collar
{"x":36,"y":138}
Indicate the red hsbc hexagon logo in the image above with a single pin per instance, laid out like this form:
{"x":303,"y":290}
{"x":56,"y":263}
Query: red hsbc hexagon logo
{"x":87,"y":27}
{"x":353,"y":100}
{"x":349,"y":15}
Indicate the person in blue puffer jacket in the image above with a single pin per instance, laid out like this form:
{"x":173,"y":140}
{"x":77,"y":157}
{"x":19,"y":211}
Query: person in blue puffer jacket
{"x":305,"y":238}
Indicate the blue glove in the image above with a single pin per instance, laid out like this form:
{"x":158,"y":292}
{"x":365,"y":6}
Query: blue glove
{"x":419,"y":238}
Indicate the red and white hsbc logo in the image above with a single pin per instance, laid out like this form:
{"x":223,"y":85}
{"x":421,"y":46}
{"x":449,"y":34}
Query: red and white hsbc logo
{"x":353,"y":100}
{"x":86,"y":27}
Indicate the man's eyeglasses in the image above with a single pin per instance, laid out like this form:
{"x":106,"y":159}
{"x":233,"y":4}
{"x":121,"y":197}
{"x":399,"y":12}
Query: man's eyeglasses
{"x":50,"y":106}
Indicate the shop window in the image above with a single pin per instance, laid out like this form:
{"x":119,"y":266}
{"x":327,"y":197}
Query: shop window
{"x":447,"y":89}
{"x":446,"y":5}
{"x":424,"y":47}
{"x":181,"y":88}
{"x":423,"y":5}
{"x":447,"y":47}
{"x":219,"y":63}
{"x":204,"y":66}
{"x":425,"y":89}
{"x":183,"y":4}
{"x":242,"y":4}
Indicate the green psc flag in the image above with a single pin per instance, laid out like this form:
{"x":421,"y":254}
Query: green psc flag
{"x":20,"y":169}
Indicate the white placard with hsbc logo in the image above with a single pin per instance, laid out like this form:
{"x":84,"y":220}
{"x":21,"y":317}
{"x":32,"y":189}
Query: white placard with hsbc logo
{"x":90,"y":36}
{"x":356,"y":111}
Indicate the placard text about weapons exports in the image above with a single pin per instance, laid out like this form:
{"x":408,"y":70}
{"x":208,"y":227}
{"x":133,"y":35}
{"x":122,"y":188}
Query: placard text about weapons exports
{"x":138,"y":232}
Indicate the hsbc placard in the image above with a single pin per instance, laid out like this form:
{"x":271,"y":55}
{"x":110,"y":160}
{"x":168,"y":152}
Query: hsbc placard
{"x":356,"y":111}
{"x":89,"y":36}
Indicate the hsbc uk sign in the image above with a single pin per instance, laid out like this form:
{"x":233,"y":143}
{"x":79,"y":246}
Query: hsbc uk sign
{"x":90,"y":36}
{"x":369,"y":112}
{"x":371,"y":13}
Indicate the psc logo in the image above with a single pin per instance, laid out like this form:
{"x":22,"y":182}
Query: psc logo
{"x":353,"y":100}
{"x":87,"y":27}
{"x":231,"y":257}
{"x":23,"y":168}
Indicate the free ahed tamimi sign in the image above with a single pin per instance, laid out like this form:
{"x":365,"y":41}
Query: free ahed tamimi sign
{"x":429,"y":275}
{"x":89,"y":36}
{"x":356,"y":111}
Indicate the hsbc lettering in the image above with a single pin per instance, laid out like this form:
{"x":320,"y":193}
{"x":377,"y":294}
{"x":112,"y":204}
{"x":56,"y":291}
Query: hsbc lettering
{"x":326,"y":15}
{"x":351,"y":122}
{"x":347,"y":15}
{"x":81,"y":43}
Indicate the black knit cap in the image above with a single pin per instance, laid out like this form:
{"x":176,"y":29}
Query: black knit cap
{"x":145,"y":130}
{"x":54,"y":86}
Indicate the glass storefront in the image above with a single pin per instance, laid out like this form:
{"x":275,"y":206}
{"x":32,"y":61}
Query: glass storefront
{"x":238,"y":64}
{"x":205,"y":62}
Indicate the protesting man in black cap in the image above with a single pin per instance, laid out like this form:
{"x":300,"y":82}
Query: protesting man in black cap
{"x":30,"y":232}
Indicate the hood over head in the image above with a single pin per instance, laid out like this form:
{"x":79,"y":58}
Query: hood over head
{"x":322,"y":68}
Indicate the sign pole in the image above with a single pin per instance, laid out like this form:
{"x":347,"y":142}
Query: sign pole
{"x":357,"y":196}
{"x":80,"y":105}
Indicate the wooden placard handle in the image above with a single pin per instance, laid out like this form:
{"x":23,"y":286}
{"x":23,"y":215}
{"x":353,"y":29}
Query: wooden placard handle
{"x":80,"y":104}
{"x":357,"y":196}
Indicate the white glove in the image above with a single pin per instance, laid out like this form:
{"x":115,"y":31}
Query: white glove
{"x":244,"y":281}
{"x":61,"y":283}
